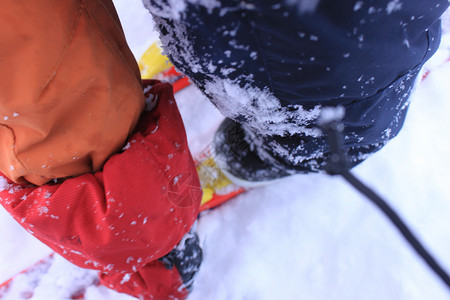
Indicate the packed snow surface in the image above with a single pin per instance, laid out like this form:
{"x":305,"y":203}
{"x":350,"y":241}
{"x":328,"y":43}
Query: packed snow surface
{"x":309,"y":236}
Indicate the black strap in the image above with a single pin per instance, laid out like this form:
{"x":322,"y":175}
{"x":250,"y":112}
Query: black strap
{"x":338,"y":165}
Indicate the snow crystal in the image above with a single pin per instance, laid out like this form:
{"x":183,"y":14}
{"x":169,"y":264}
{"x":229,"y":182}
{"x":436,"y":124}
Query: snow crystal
{"x":156,"y":127}
{"x":387,"y":134}
{"x":393,"y":6}
{"x":358,"y":5}
{"x":176,"y":179}
{"x":227,"y":71}
{"x":406,"y":43}
{"x":150,"y":102}
{"x":276,"y":6}
{"x":211,"y":67}
{"x":42,"y":210}
{"x":235,"y":45}
{"x":290,"y":155}
{"x":147,"y":89}
{"x":304,"y":6}
{"x":130,"y":259}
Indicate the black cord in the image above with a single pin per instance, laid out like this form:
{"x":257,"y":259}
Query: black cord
{"x":338,"y":165}
{"x":401,"y":226}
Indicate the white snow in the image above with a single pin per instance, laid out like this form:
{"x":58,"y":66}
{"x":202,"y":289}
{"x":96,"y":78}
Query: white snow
{"x":306,"y":237}
{"x":3,"y":183}
{"x":331,"y":114}
{"x":234,"y":101}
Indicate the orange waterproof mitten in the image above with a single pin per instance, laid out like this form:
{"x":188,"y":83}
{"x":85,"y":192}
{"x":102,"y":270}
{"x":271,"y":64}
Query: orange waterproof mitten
{"x":70,"y":89}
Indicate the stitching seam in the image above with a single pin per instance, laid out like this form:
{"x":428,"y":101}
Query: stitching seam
{"x":58,"y":64}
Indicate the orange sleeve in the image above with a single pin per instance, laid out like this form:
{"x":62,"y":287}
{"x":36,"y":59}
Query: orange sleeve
{"x":70,"y":89}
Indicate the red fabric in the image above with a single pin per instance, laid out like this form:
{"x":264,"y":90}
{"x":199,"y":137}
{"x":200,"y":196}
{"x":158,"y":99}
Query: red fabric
{"x":153,"y":281}
{"x":126,"y":216}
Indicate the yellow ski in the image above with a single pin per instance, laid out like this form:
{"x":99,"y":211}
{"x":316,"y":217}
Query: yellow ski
{"x":154,"y":65}
{"x":153,"y":62}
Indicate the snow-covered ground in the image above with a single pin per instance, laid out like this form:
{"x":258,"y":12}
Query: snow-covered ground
{"x":306,"y":237}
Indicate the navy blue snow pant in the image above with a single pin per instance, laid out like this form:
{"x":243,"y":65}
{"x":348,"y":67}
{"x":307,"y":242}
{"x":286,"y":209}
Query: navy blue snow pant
{"x":271,"y":66}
